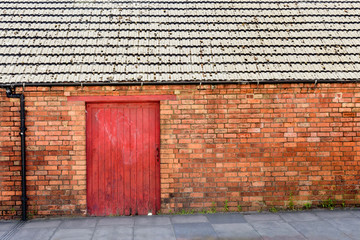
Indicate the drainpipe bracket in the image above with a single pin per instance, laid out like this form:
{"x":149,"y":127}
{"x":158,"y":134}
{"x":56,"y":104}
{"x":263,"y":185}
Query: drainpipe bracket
{"x":9,"y":91}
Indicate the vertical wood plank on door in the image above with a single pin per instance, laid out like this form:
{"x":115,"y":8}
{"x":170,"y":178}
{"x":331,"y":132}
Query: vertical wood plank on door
{"x":152,"y":162}
{"x":96,"y":160}
{"x":120,"y":130}
{"x":107,"y":162}
{"x":126,"y":160}
{"x":139,"y":157}
{"x":133,"y":159}
{"x":90,"y":168}
{"x":146,"y":158}
{"x":157,"y":168}
{"x":101,"y":165}
{"x":113,"y":162}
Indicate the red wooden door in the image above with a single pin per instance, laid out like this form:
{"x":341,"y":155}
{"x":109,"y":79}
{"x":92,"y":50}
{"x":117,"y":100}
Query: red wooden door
{"x":123,"y":169}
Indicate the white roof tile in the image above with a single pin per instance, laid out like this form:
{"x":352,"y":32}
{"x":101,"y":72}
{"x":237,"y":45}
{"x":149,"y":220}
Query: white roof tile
{"x":179,"y":41}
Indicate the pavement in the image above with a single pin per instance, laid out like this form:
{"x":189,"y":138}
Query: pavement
{"x":315,"y":224}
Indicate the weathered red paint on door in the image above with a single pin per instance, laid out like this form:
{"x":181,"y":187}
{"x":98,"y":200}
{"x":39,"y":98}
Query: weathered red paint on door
{"x":123,"y":165}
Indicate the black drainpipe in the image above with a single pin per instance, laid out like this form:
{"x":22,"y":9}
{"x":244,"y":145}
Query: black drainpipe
{"x":10,"y":94}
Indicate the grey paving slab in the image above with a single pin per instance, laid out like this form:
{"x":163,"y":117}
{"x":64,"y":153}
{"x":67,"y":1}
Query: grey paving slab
{"x":188,"y":219}
{"x":355,"y":212}
{"x":194,"y":230}
{"x":154,"y":232}
{"x":333,"y":214}
{"x":276,"y":230}
{"x":79,"y":223}
{"x":113,"y":233}
{"x":6,"y":226}
{"x":262,"y":217}
{"x":73,"y":234}
{"x":313,"y":225}
{"x":34,"y":234}
{"x":42,"y":224}
{"x":152,"y":220}
{"x":319,"y":230}
{"x":236,"y":231}
{"x":298,"y":216}
{"x":123,"y":221}
{"x":220,"y":218}
{"x":349,"y":226}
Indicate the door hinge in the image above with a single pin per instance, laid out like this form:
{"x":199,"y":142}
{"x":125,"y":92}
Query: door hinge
{"x":157,"y":153}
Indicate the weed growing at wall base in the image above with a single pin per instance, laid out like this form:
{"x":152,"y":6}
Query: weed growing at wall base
{"x":329,"y":204}
{"x":273,"y":209}
{"x":226,"y":206}
{"x":307,"y":205}
{"x":239,"y":208}
{"x":291,"y":205}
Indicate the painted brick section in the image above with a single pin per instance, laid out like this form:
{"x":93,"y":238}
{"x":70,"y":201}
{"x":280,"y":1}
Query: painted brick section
{"x":252,"y":145}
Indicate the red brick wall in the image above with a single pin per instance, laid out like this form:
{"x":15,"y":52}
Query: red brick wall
{"x":255,"y":146}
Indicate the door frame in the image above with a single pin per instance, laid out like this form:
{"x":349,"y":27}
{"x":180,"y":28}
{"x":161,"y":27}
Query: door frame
{"x":123,"y":99}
